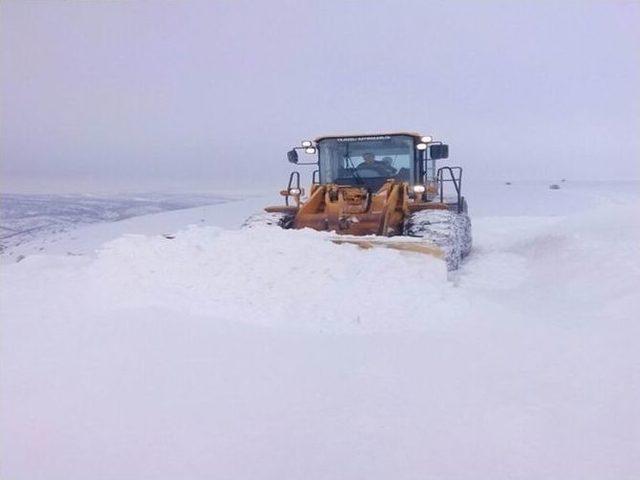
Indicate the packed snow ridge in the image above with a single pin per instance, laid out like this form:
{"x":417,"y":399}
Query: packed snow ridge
{"x":300,"y":279}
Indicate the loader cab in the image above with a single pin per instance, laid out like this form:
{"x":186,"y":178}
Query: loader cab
{"x":367,"y":161}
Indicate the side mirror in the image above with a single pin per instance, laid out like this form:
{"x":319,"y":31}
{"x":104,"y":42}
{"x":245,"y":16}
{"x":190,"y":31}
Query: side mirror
{"x":438,"y":151}
{"x":292,"y":156}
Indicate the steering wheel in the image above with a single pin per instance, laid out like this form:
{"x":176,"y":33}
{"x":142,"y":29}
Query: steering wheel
{"x":368,"y":172}
{"x":380,"y":169}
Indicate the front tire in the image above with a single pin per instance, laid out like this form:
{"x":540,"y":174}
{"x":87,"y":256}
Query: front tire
{"x":448,"y":230}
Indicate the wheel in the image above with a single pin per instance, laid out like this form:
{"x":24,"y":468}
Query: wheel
{"x":269,"y":219}
{"x":448,"y":230}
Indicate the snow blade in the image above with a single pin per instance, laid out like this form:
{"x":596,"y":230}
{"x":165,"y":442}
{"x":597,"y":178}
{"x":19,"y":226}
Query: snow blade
{"x":405,"y":244}
{"x":439,"y":233}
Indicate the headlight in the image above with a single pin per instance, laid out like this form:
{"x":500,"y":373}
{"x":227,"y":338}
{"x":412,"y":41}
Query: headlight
{"x":421,"y":146}
{"x":294,"y":191}
{"x":310,"y":150}
{"x":427,"y":139}
{"x":419,"y":189}
{"x":307,"y":143}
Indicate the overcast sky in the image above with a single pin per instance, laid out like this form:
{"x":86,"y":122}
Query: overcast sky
{"x":186,"y":95}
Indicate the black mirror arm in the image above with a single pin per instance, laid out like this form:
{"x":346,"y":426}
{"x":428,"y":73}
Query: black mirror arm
{"x":293,"y":152}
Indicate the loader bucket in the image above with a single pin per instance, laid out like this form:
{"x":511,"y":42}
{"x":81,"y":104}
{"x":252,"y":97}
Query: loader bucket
{"x":404,"y":244}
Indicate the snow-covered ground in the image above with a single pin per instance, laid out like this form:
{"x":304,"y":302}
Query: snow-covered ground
{"x":175,"y":345}
{"x":40,"y":219}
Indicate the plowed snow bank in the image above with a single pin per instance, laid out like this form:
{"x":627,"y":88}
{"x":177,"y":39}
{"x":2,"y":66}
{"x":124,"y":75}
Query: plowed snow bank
{"x":299,"y":279}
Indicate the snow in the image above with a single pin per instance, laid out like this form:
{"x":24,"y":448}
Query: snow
{"x":25,"y":218}
{"x":262,"y":353}
{"x":87,"y":236}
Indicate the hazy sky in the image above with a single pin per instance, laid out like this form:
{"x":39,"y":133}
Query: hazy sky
{"x":186,"y":95}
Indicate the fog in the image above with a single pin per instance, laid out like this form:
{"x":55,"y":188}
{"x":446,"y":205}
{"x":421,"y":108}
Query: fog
{"x":206,"y":96}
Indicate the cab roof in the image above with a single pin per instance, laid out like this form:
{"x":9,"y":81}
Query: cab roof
{"x":369,"y":135}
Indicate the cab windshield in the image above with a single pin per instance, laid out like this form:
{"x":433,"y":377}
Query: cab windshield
{"x":366,"y":161}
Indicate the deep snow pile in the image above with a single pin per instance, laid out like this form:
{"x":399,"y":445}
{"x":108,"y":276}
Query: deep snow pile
{"x":271,"y":354}
{"x":271,"y":277}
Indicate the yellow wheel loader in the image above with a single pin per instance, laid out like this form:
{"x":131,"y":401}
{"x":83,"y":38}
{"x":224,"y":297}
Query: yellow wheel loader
{"x":378,"y":190}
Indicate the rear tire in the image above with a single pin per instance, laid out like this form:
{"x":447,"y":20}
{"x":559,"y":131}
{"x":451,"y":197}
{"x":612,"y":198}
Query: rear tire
{"x":269,"y":219}
{"x":448,"y":230}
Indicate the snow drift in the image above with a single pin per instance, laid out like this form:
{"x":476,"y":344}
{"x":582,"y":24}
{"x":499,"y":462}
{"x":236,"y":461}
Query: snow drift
{"x":267,"y":354}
